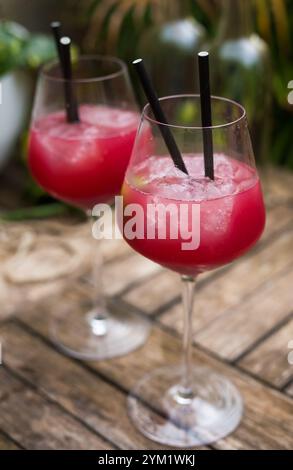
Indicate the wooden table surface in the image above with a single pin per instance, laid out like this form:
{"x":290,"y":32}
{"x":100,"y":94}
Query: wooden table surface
{"x":243,"y":322}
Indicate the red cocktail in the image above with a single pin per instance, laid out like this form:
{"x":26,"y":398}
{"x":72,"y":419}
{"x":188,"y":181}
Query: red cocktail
{"x":190,"y":223}
{"x":81,"y":158}
{"x":83,"y":163}
{"x":232,"y":214}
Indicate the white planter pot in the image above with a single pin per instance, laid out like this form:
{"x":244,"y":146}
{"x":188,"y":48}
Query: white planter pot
{"x":16,"y":97}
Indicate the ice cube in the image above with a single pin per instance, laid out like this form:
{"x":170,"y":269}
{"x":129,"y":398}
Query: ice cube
{"x":108,"y":118}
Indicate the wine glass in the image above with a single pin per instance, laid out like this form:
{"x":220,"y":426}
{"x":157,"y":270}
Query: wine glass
{"x":83,"y":163}
{"x":191,"y":224}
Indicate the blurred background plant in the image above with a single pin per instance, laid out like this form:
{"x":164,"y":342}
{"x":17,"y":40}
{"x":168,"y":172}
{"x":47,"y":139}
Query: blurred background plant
{"x":117,"y":26}
{"x":276,"y":26}
{"x":21,"y":54}
{"x":128,"y":28}
{"x":19,"y":48}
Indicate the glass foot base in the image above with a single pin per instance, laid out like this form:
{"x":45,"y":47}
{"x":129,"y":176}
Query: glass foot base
{"x":161,"y":413}
{"x":82,"y":335}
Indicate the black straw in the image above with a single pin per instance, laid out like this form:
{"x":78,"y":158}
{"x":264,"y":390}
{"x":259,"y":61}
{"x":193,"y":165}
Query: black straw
{"x":206,"y":113}
{"x":70,"y":101}
{"x":159,"y":115}
{"x":56,"y":30}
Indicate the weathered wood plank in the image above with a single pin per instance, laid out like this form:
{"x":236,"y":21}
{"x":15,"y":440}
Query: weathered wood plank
{"x":86,"y":396}
{"x":229,"y":323}
{"x":135,"y":269}
{"x":277,"y":184}
{"x":37,"y":424}
{"x":28,"y":253}
{"x":113,"y":250}
{"x":270,"y":360}
{"x":132,"y":270}
{"x":266,"y":423}
{"x":155,"y":292}
{"x":6,"y":443}
{"x":228,"y":294}
{"x":231,"y":334}
{"x":289,"y":389}
{"x":278,"y":218}
{"x":71,"y":238}
{"x":151,"y":295}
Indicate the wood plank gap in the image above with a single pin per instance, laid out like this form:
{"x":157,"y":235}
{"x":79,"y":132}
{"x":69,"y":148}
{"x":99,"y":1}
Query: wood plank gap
{"x":261,"y":380}
{"x":11,"y":439}
{"x":245,"y":298}
{"x":81,"y":363}
{"x":213,"y":355}
{"x":176,"y":300}
{"x":267,"y":441}
{"x":135,"y":284}
{"x":263,"y":338}
{"x":162,"y":327}
{"x":200,"y":284}
{"x":287,"y":385}
{"x":50,"y":400}
{"x":216,"y":274}
{"x":118,"y":258}
{"x":46,"y":395}
{"x":6,"y":320}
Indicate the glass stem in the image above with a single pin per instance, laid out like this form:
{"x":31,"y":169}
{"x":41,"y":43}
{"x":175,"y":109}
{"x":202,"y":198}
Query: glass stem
{"x":188,"y":288}
{"x":98,"y":316}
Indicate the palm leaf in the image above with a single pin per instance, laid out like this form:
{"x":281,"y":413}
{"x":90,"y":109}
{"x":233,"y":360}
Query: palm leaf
{"x":282,"y":25}
{"x":102,"y":11}
{"x":113,"y":14}
{"x":123,"y":9}
{"x":263,"y":19}
{"x":210,"y":8}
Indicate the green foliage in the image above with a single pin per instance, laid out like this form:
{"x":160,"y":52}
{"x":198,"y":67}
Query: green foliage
{"x":19,"y":48}
{"x":279,"y":35}
{"x":52,"y":209}
{"x":13,"y":39}
{"x":39,"y":49}
{"x":116,"y":25}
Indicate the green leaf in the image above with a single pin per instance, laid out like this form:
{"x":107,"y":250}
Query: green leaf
{"x":13,"y":38}
{"x":39,"y":49}
{"x":37,"y":212}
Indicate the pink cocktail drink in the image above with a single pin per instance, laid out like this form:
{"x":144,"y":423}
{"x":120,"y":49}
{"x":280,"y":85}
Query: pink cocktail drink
{"x":82,"y":163}
{"x":232,"y":213}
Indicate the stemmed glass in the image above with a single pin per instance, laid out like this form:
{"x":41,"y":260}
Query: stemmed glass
{"x":191,"y":224}
{"x":83,"y":163}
